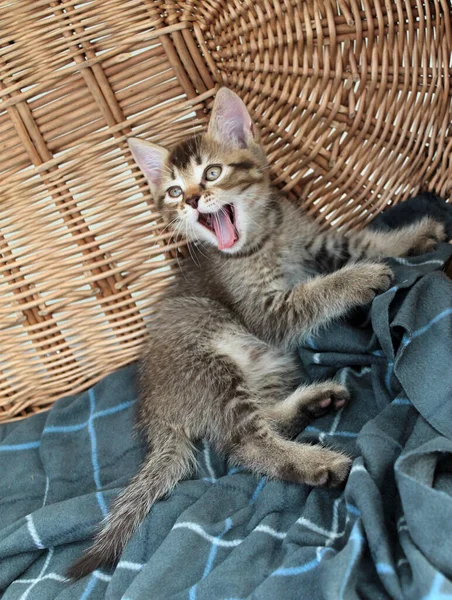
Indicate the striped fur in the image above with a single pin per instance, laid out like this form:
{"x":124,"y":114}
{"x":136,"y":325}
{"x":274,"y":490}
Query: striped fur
{"x":221,"y":360}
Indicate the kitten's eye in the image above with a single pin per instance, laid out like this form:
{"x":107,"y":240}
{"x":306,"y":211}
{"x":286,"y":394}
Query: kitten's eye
{"x":212,"y":172}
{"x":175,"y":191}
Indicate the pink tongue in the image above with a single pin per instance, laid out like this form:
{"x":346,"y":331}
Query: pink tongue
{"x":224,"y":230}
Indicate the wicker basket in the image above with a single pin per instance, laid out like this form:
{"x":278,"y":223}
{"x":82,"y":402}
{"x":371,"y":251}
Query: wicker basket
{"x":354,"y":97}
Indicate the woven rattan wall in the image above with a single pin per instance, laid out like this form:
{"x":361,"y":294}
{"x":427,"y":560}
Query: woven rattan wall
{"x":354,"y":98}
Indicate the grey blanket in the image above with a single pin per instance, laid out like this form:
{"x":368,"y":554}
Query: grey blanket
{"x":226,"y":534}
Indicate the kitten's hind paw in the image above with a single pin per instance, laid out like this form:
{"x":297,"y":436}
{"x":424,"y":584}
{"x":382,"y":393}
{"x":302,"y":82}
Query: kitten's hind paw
{"x":426,"y":235}
{"x":330,"y":470}
{"x":306,"y":404}
{"x":323,"y":398}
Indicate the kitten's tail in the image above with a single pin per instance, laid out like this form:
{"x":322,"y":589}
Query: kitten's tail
{"x":171,"y":459}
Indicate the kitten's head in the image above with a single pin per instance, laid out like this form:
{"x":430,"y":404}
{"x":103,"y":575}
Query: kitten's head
{"x":214,"y":187}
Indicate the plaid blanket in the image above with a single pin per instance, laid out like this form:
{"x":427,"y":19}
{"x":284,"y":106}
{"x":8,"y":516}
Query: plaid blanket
{"x":226,"y":534}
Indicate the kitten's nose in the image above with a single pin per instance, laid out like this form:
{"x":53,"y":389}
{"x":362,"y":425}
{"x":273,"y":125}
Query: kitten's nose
{"x":193,"y":200}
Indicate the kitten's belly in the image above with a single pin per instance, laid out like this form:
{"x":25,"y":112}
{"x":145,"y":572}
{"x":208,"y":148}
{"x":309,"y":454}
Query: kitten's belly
{"x":268,"y":371}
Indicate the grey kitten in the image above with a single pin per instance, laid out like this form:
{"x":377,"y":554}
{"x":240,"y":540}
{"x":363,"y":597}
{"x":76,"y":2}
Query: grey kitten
{"x":221,"y":359}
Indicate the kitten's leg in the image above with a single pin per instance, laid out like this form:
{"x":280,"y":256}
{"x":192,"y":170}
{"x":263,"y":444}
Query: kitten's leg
{"x":331,"y":251}
{"x":411,"y":240}
{"x":265,"y":452}
{"x":245,"y":432}
{"x":306,"y":404}
{"x":282,"y":316}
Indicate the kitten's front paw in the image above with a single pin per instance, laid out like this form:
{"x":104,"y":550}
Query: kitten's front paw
{"x":365,"y":280}
{"x":427,"y":234}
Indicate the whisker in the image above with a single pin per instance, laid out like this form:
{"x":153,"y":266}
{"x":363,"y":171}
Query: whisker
{"x":200,"y":245}
{"x":172,"y":222}
{"x":177,"y":230}
{"x":193,"y":256}
{"x":258,"y":225}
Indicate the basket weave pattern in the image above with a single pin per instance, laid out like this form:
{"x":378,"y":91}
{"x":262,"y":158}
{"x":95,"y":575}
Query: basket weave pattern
{"x":353,"y":97}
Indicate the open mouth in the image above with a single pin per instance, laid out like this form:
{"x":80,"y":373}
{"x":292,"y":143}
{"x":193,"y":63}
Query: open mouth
{"x":222,"y":224}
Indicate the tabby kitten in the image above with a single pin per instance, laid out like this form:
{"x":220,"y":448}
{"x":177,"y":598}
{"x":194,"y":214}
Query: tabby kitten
{"x":221,"y":360}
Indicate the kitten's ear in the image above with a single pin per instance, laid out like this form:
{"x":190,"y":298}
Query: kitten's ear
{"x":151,"y":159}
{"x":230,"y":121}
